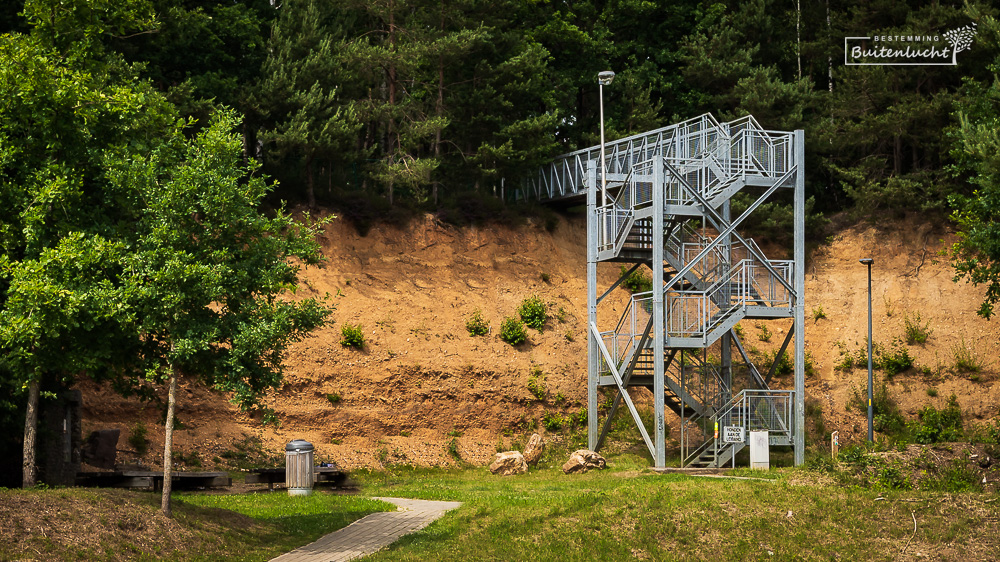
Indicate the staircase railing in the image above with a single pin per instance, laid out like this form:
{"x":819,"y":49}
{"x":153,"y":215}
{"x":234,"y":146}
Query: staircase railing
{"x":700,"y":380}
{"x":565,"y":175}
{"x":613,"y":224}
{"x":695,"y":313}
{"x":753,"y":410}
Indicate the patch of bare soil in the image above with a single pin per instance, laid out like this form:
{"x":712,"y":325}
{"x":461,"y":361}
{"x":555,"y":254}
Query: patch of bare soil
{"x":423,"y":391}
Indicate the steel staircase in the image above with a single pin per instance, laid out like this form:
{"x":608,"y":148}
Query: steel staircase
{"x":665,"y":206}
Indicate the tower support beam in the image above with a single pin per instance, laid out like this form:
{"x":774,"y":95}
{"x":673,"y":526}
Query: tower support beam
{"x":800,"y":289}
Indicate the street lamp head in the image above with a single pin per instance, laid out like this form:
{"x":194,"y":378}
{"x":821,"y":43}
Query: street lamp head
{"x":605,"y":77}
{"x":867,"y":261}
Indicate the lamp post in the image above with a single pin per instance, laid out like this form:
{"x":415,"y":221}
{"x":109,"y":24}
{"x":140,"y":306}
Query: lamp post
{"x":869,"y":262}
{"x":604,"y":78}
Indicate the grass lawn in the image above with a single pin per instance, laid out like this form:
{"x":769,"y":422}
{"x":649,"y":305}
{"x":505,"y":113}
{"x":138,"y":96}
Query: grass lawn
{"x":628,"y":512}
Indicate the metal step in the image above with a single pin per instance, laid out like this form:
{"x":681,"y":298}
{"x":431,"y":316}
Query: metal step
{"x":708,"y":459}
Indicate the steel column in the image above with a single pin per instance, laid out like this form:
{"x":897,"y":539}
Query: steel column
{"x":658,"y":332}
{"x":593,"y":355}
{"x":800,"y":303}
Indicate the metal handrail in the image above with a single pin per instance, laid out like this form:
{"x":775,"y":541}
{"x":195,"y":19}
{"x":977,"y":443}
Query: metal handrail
{"x":754,"y":410}
{"x":735,"y":148}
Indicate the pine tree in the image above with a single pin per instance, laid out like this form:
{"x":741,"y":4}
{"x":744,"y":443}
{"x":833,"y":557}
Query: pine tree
{"x":307,"y":120}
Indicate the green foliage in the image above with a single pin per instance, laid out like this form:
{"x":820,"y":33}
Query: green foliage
{"x":935,"y":426}
{"x":987,"y":432}
{"x":139,"y":438}
{"x":955,"y":478}
{"x":967,"y":358}
{"x":814,"y":413}
{"x":308,"y":120}
{"x":546,"y":278}
{"x":890,"y":361}
{"x":976,"y":148}
{"x":818,"y":314}
{"x":536,"y":384}
{"x":512,"y":331}
{"x":553,"y":421}
{"x":765,"y":332}
{"x":738,"y":330}
{"x":637,"y":281}
{"x":333,"y":398}
{"x":533,"y":312}
{"x":774,"y":221}
{"x":785,"y":363}
{"x":932,"y":392}
{"x":915,"y":331}
{"x":352,"y":335}
{"x":297,"y":517}
{"x":476,"y":326}
{"x":561,"y":315}
{"x":887,"y":417}
{"x":452,"y":449}
{"x":192,"y":459}
{"x":821,"y":463}
{"x":896,"y":360}
{"x":888,"y":477}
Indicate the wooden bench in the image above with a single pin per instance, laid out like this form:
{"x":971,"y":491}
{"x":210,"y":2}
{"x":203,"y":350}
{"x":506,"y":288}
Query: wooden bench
{"x":153,"y":480}
{"x":322,"y":475}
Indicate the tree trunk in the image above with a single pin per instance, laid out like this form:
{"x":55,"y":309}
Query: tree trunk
{"x":168,"y":445}
{"x":798,"y":35}
{"x":28,"y":474}
{"x":310,"y":187}
{"x":829,"y":58}
{"x":897,"y":156}
{"x":438,"y":111}
{"x":394,"y":141}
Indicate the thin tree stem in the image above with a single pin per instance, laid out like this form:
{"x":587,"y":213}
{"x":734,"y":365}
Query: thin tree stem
{"x":28,"y":474}
{"x":168,"y":438}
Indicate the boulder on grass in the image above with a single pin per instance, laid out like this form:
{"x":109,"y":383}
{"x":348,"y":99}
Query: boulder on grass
{"x":533,"y":452}
{"x":582,"y":461}
{"x":509,"y":463}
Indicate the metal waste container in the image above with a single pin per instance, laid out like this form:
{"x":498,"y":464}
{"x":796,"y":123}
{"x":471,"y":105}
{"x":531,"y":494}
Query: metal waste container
{"x":299,"y":467}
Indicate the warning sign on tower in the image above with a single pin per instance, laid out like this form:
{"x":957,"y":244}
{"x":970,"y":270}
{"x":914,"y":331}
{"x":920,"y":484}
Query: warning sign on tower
{"x":733,"y":434}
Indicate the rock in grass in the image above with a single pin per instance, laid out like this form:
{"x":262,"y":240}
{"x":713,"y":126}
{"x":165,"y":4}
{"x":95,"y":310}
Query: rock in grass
{"x":582,"y":461}
{"x":533,"y":452}
{"x":509,"y":463}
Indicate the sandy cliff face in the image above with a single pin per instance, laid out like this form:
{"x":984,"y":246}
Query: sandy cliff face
{"x":422,"y":385}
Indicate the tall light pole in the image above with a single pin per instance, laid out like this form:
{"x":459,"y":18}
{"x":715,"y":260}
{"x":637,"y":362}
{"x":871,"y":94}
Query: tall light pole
{"x":604,"y":78}
{"x":869,"y":262}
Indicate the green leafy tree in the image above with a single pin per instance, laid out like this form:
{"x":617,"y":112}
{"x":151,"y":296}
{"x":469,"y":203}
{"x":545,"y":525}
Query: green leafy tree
{"x":202,"y":281}
{"x":205,"y":54}
{"x":65,"y":103}
{"x":976,"y":255}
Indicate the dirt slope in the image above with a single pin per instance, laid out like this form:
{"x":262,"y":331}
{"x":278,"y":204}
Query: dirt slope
{"x":422,"y":385}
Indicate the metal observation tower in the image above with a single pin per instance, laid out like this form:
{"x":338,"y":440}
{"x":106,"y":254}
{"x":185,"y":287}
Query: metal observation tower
{"x":666,"y":206}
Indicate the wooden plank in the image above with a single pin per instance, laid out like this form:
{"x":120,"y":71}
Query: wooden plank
{"x":146,"y":482}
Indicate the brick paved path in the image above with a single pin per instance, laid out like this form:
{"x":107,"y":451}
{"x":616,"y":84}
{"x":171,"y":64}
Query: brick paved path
{"x":371,"y":533}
